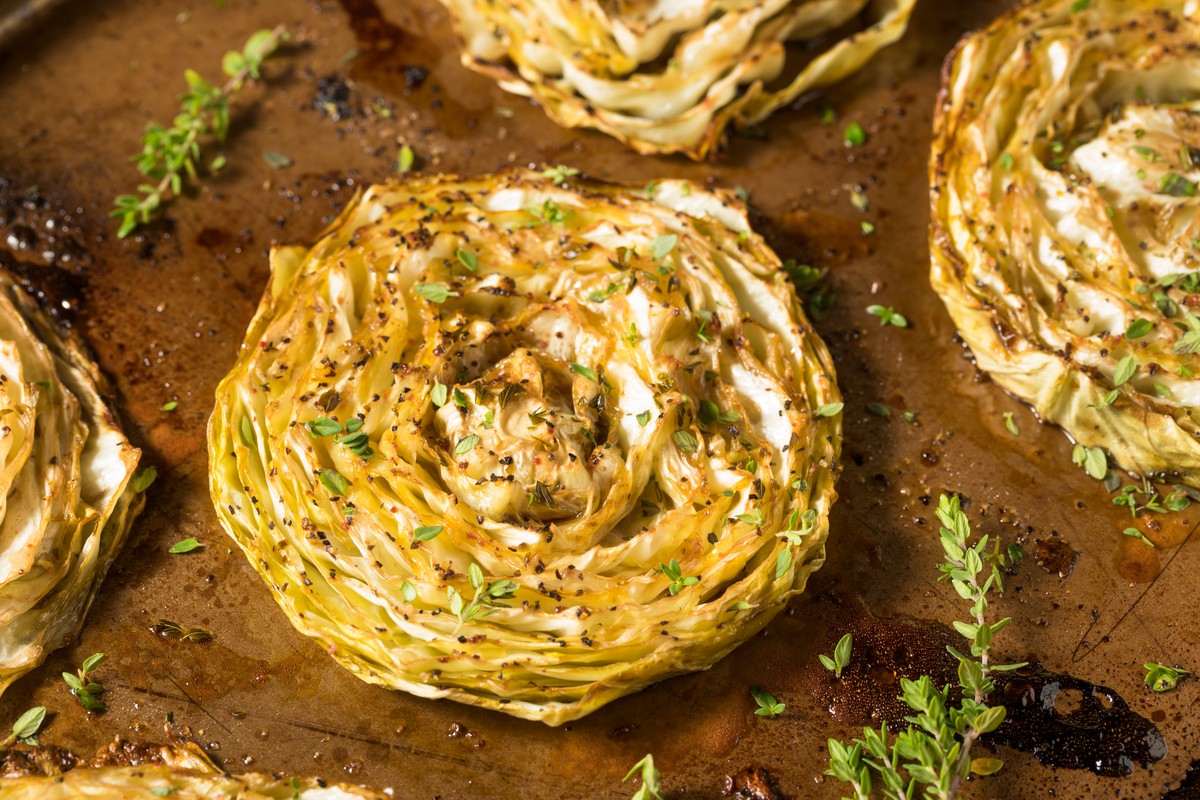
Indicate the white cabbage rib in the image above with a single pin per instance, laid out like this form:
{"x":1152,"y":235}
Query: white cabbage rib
{"x":669,"y":76}
{"x":631,"y":411}
{"x":181,"y":771}
{"x":1065,"y":237}
{"x":65,"y":468}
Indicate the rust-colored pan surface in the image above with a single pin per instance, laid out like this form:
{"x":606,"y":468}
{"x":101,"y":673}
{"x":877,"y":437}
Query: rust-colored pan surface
{"x":165,"y":311}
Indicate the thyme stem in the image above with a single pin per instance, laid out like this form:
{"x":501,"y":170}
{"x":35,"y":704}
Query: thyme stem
{"x":168,"y":154}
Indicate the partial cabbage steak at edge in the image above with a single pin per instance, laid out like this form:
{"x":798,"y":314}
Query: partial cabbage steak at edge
{"x":1065,"y":231}
{"x":134,"y":770}
{"x":65,"y":474}
{"x":526,"y":445}
{"x":670,"y":77}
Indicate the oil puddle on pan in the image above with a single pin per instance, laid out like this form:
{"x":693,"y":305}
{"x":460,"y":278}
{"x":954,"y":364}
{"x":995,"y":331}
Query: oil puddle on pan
{"x":1063,"y":721}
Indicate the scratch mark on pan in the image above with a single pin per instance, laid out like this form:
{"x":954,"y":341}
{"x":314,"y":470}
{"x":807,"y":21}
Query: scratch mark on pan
{"x":403,"y":748}
{"x":196,"y":703}
{"x":156,"y":693}
{"x":183,"y":697}
{"x":1075,"y":655}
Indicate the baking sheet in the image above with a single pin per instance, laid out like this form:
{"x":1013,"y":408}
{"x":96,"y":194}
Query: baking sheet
{"x":165,"y":312}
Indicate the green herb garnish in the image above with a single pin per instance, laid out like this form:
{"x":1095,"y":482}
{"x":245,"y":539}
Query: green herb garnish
{"x":768,"y":706}
{"x":550,"y":212}
{"x":559,"y":174}
{"x":485,"y":600}
{"x":1136,"y":534}
{"x":830,"y":409}
{"x":277,"y":160}
{"x":85,"y":690}
{"x":188,"y":545}
{"x":466,"y":444}
{"x":1092,"y":459}
{"x":932,"y":757}
{"x":427,"y":532}
{"x":675,"y":573}
{"x":686,"y":441}
{"x":171,"y":154}
{"x":439,"y":394}
{"x":467,"y":259}
{"x":143,"y":478}
{"x":334,"y":482}
{"x":1126,"y":368}
{"x":663,"y":245}
{"x":1190,"y":341}
{"x":405,"y":160}
{"x":888,"y":316}
{"x":1138,"y":328}
{"x":1010,"y":424}
{"x":25,"y":729}
{"x":1161,"y":678}
{"x":433,"y":292}
{"x":879,"y":410}
{"x":1176,"y":185}
{"x":587,"y":372}
{"x":841,"y":656}
{"x":854,"y":136}
{"x":649,"y":790}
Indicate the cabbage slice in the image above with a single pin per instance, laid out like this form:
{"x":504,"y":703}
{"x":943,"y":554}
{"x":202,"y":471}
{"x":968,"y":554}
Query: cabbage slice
{"x":65,"y":499}
{"x":1065,"y":237}
{"x":670,"y":76}
{"x":179,"y":770}
{"x":526,"y":445}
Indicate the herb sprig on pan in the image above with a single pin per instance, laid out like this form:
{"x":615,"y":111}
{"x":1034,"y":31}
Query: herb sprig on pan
{"x":170,"y":154}
{"x":649,"y":790}
{"x":841,"y":656}
{"x":25,"y":729}
{"x":1161,"y":678}
{"x":932,"y":756}
{"x":84,"y":688}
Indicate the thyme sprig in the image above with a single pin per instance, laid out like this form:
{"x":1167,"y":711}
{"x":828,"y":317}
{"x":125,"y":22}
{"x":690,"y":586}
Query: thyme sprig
{"x":84,"y":688}
{"x":932,"y":756}
{"x":485,"y":600}
{"x":1161,"y":678}
{"x":25,"y":729}
{"x":679,"y":581}
{"x":841,"y":656}
{"x":170,"y":154}
{"x":649,"y":790}
{"x":768,"y":706}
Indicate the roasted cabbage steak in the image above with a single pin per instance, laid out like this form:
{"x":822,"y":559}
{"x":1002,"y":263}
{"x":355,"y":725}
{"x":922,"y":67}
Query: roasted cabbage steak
{"x":67,"y":497}
{"x":671,"y":77}
{"x":528,"y":441}
{"x":1066,"y":233}
{"x":125,"y":770}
